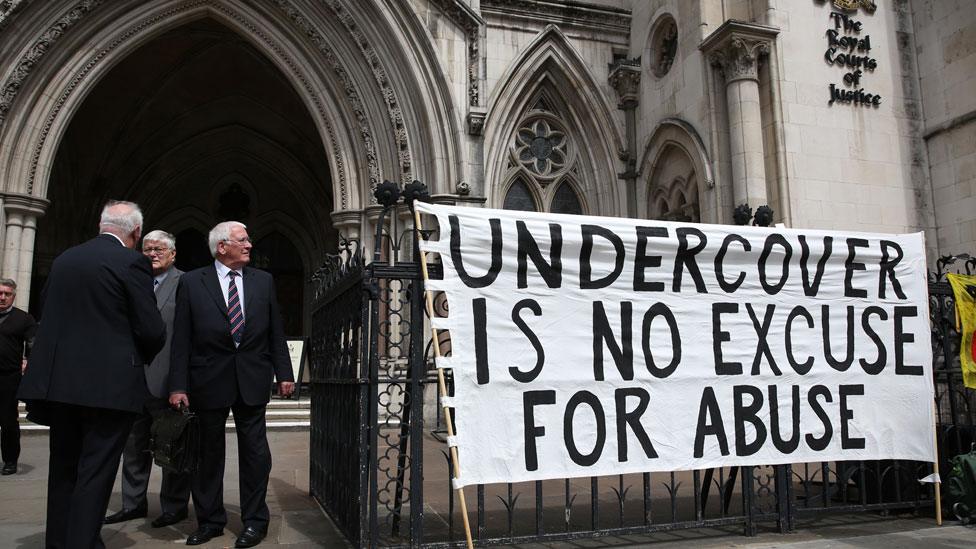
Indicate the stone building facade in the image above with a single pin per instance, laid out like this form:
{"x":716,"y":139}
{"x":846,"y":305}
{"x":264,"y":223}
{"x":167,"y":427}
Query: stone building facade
{"x":838,"y":114}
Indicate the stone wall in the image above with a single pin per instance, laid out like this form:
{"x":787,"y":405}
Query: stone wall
{"x":945,"y":47}
{"x":850,"y":165}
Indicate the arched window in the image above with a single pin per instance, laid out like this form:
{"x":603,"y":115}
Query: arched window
{"x":565,"y":201}
{"x":519,"y":198}
{"x":673,"y":188}
{"x":542,"y":163}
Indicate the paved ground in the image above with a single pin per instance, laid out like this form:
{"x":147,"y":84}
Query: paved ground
{"x":297,"y":521}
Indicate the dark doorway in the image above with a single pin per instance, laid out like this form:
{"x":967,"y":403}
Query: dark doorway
{"x":277,"y":255}
{"x":197,"y":126}
{"x":192,"y":251}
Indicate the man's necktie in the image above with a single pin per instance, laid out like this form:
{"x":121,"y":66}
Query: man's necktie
{"x":234,"y":311}
{"x":155,"y":284}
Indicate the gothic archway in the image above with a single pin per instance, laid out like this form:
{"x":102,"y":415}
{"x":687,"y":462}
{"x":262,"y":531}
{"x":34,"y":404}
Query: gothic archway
{"x":549,"y":126}
{"x":677,"y":176}
{"x":359,"y":71}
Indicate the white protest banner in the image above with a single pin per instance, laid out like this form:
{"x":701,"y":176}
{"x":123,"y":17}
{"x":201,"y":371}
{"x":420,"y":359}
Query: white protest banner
{"x":592,"y":346}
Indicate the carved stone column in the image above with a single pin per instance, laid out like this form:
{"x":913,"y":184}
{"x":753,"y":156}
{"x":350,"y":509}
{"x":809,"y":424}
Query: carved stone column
{"x":372,"y":217}
{"x":736,"y":50}
{"x":625,"y":76}
{"x":348,"y":223}
{"x":22,"y":212}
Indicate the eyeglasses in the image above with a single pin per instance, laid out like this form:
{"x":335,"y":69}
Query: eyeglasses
{"x":154,"y":251}
{"x":241,"y":241}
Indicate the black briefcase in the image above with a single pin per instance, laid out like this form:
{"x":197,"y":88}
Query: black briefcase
{"x":176,"y":440}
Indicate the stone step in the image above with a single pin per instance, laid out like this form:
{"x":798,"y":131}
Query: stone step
{"x":275,"y":403}
{"x":282,"y":415}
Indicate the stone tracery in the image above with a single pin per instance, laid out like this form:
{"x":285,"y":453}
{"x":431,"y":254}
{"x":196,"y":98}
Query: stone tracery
{"x":47,"y":38}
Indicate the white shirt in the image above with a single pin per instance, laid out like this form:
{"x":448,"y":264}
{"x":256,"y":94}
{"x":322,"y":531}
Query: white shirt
{"x":116,"y":237}
{"x":161,"y":277}
{"x":222,"y":278}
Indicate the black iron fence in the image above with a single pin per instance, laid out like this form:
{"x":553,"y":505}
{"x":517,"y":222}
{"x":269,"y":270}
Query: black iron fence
{"x":381,"y":470}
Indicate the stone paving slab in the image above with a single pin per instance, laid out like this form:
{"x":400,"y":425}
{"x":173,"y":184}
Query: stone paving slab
{"x":298,"y":523}
{"x":296,"y":520}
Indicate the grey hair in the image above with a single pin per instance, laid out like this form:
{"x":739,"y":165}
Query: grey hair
{"x":9,"y":282}
{"x":126,"y":220}
{"x":161,"y":236}
{"x":220,"y":233}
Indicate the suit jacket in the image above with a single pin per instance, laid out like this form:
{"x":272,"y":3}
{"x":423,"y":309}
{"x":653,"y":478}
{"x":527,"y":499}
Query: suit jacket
{"x":157,"y":373}
{"x":205,"y":363}
{"x":99,"y":326}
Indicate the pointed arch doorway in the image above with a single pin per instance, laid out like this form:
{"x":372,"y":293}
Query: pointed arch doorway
{"x":197,"y":126}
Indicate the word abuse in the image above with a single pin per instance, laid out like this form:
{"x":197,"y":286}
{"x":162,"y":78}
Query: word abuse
{"x":584,"y":346}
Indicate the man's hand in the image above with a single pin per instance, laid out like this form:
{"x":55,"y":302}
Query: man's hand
{"x":286,"y":388}
{"x":176,"y":399}
{"x":23,"y":366}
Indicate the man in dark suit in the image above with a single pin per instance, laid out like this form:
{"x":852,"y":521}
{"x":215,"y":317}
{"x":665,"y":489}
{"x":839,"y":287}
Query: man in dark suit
{"x":99,"y":326}
{"x":174,"y":495}
{"x":228,"y":346}
{"x":17,"y":329}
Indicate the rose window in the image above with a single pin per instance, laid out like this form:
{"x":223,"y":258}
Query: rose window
{"x":541,"y":148}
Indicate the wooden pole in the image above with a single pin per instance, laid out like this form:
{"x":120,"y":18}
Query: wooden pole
{"x":935,"y":466}
{"x":441,"y":385}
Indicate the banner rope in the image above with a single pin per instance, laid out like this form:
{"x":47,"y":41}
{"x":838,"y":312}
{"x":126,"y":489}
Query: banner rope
{"x":441,"y":385}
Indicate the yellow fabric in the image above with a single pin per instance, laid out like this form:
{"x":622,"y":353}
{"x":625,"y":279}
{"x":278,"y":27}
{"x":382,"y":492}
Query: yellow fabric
{"x":966,"y":313}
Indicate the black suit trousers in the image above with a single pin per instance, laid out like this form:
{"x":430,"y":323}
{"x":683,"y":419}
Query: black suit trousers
{"x":254,"y":457}
{"x":9,"y":420}
{"x":86,"y":444}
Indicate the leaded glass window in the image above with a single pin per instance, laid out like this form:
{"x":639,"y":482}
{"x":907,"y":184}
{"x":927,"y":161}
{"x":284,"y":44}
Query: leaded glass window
{"x":519,"y":198}
{"x":565,"y":201}
{"x":543,"y":163}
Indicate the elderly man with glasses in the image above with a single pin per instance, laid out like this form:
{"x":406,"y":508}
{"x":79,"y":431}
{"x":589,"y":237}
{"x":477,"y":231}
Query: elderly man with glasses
{"x":174,"y":494}
{"x":228,"y":346}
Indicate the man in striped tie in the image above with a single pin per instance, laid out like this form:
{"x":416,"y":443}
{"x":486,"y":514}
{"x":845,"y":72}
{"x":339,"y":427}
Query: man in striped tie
{"x":228,"y":346}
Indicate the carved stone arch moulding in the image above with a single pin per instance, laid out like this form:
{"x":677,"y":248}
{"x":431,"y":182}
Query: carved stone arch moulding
{"x":671,"y":136}
{"x":373,"y":61}
{"x":677,"y":132}
{"x":8,"y":9}
{"x":147,"y":24}
{"x":244,"y":22}
{"x":550,"y":69}
{"x":38,"y":48}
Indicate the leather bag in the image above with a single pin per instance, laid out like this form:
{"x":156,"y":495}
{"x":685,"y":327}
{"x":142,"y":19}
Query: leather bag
{"x":175,"y":440}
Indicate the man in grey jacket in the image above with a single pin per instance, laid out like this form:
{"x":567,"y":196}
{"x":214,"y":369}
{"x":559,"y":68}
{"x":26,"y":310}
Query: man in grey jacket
{"x":160,"y":248}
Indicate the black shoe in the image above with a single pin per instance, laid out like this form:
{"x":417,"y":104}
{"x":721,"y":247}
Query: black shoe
{"x":167,"y":519}
{"x":9,"y":469}
{"x":251,"y":536}
{"x":124,"y":515}
{"x":204,"y":534}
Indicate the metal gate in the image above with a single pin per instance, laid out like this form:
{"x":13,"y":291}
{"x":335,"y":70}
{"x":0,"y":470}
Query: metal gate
{"x":381,"y":470}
